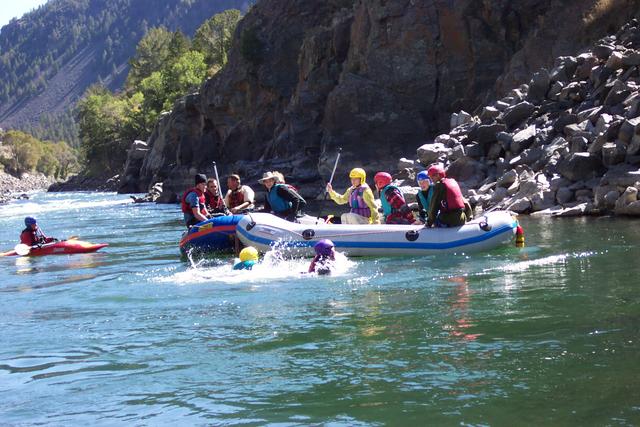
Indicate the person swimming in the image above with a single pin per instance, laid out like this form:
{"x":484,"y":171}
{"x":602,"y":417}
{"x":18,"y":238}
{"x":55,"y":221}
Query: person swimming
{"x":248,"y":258}
{"x":325,"y":256}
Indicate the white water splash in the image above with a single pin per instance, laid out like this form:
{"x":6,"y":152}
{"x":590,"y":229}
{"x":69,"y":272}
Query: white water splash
{"x":23,"y":208}
{"x":272,"y":267}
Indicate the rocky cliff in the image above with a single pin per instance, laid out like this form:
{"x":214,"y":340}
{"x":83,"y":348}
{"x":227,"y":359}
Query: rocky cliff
{"x":376,"y":77}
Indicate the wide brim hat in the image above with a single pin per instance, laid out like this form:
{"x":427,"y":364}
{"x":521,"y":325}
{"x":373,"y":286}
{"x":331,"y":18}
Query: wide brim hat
{"x":268,"y":175}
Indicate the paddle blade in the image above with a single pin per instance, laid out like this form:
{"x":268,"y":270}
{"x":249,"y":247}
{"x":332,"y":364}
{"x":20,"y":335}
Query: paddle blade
{"x":22,"y":249}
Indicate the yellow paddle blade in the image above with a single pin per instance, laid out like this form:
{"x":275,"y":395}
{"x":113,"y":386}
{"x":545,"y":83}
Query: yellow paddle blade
{"x":22,"y":249}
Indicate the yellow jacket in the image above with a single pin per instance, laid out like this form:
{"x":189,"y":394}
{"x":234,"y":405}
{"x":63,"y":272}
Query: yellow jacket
{"x":367,"y":195}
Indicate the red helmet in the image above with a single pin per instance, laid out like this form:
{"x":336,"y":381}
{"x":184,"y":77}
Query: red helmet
{"x":382,"y":179}
{"x":436,"y":169}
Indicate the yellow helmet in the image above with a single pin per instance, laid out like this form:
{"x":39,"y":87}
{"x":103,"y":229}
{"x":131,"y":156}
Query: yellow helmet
{"x":249,"y":254}
{"x":358,"y":173}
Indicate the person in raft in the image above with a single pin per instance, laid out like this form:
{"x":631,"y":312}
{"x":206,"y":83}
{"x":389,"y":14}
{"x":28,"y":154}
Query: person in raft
{"x":282,"y":199}
{"x":193,"y":202}
{"x":212,"y":199}
{"x":447,"y":207}
{"x":248,"y":258}
{"x":394,"y":208}
{"x":425,"y":194}
{"x":32,"y":235}
{"x":360,"y":199}
{"x":325,"y":256}
{"x":239,"y":197}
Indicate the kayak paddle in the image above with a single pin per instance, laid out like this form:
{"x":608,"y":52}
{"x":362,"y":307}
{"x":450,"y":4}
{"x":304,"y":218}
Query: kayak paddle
{"x":22,"y":249}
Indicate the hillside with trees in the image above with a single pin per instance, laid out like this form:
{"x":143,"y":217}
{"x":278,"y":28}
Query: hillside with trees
{"x":50,"y":56}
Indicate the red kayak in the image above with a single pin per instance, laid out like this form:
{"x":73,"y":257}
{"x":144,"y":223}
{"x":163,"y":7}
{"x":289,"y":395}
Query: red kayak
{"x":63,"y":247}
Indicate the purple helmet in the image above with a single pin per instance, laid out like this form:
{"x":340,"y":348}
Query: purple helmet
{"x":324,"y":247}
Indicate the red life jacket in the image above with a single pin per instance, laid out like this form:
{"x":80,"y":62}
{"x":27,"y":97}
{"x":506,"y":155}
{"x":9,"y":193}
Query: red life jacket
{"x":454,"y":199}
{"x":236,"y":198}
{"x":186,"y":208}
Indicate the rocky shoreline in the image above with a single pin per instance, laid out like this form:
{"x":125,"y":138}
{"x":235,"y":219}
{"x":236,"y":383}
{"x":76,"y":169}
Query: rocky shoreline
{"x":15,"y":188}
{"x":566,"y":144}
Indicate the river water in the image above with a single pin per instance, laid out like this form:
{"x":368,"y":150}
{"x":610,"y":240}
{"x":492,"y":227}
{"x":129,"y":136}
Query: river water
{"x":548,"y":334}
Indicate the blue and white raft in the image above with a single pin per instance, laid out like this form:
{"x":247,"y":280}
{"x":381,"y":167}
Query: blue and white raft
{"x":265,"y":231}
{"x":213,"y":235}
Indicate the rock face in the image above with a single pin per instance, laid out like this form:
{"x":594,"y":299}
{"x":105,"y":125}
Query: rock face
{"x":570,"y":145}
{"x":375,"y":77}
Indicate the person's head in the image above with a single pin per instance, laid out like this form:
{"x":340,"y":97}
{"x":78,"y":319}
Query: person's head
{"x":31,"y":222}
{"x":436,"y":173}
{"x":212,"y":186}
{"x":423,"y":180}
{"x":268,"y":179}
{"x":382,"y":179}
{"x":233,"y":182}
{"x":249,"y":254}
{"x":358,"y":176}
{"x":201,"y":181}
{"x":324,"y":247}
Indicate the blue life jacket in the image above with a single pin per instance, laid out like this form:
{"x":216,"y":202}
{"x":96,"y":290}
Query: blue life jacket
{"x":425,"y":200}
{"x":244,"y":265}
{"x":278,"y":204}
{"x":387,"y":209}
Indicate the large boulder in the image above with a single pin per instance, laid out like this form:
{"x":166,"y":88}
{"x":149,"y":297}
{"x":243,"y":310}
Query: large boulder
{"x":580,"y":166}
{"x":432,"y":153}
{"x":518,"y":113}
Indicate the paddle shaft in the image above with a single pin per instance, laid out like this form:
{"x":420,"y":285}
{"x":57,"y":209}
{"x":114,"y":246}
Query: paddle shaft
{"x":215,"y":170}
{"x":333,"y":172}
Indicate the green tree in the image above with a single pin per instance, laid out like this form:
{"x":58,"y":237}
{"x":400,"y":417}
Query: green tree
{"x":151,"y":55}
{"x":184,"y":76}
{"x":213,"y":38}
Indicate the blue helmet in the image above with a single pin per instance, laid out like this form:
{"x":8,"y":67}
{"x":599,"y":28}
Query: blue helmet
{"x":422,"y":176}
{"x":29,"y":221}
{"x":324,"y":247}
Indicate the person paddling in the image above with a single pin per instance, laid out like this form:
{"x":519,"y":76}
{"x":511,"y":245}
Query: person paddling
{"x":325,"y":257}
{"x":212,"y":199}
{"x":281,"y":200}
{"x":360,"y":199}
{"x":32,"y":235}
{"x":193,"y":202}
{"x":394,"y":206}
{"x":447,"y":207}
{"x":424,"y":197}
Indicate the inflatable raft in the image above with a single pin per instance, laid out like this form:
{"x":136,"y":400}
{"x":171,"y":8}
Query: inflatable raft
{"x":63,"y":247}
{"x":265,"y":231}
{"x":213,"y":235}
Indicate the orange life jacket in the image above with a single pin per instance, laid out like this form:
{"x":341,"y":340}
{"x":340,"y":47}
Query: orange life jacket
{"x":186,"y":208}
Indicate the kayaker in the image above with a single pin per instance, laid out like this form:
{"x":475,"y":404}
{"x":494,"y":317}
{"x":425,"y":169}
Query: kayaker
{"x":193,"y":202}
{"x":248,"y":258}
{"x":394,"y":207}
{"x":239,"y":197}
{"x":325,"y":257}
{"x":212,"y":199}
{"x":447,"y":206}
{"x":32,"y":235}
{"x":424,"y":197}
{"x":360,"y":199}
{"x":282,"y":199}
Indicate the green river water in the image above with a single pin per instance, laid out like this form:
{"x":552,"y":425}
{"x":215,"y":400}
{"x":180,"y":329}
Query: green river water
{"x":133,"y":335}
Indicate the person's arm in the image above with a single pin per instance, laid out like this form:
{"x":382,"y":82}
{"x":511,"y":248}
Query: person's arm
{"x":370,"y":200}
{"x":247,"y":195}
{"x":438,"y":194}
{"x":292,"y":196}
{"x":341,"y":199}
{"x":192,"y":199}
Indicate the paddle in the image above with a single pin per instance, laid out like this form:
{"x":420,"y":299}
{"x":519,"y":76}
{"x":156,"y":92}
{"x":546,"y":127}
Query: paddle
{"x":224,"y":203}
{"x":333,"y":172}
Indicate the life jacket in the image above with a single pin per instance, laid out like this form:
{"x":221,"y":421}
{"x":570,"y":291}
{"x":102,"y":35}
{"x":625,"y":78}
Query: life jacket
{"x":357,"y":203}
{"x":212,"y":201}
{"x":236,"y":198}
{"x":453,"y":199}
{"x":278,"y":204}
{"x":387,"y":209}
{"x":186,"y":208}
{"x":425,"y":200}
{"x":31,"y":237}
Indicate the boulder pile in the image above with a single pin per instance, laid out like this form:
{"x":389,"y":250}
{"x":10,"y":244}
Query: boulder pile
{"x":566,"y":143}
